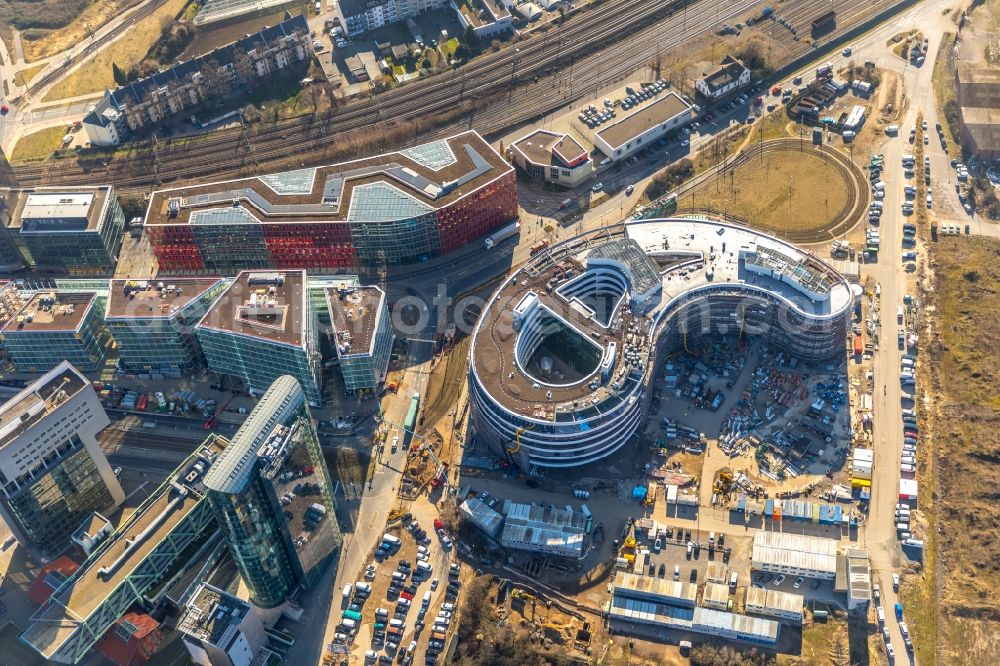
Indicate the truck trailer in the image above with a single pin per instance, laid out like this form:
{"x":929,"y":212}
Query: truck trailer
{"x":502,"y":234}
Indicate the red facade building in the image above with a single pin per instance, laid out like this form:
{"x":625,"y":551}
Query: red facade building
{"x":397,"y":208}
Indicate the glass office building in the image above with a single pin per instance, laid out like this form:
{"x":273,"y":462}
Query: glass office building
{"x":390,"y":209}
{"x":361,"y":334}
{"x":262,"y":327}
{"x":60,"y":495}
{"x":153,"y":322}
{"x":76,"y":230}
{"x":52,"y":470}
{"x":56,"y":326}
{"x":271,"y":494}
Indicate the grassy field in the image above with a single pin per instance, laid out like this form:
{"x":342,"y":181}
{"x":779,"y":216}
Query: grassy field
{"x":43,"y":43}
{"x":38,"y":145}
{"x":834,"y":642}
{"x":786,"y":191}
{"x":964,"y":425}
{"x":25,"y":75}
{"x":95,"y":75}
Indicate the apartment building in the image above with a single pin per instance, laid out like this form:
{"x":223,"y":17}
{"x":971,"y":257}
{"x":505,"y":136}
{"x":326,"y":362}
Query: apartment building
{"x":208,"y":81}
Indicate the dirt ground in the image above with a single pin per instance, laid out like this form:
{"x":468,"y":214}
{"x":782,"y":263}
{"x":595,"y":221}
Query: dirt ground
{"x":43,"y":43}
{"x":779,"y":192}
{"x":963,"y":411}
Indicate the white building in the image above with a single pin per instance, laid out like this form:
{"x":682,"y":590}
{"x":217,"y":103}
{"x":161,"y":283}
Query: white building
{"x":657,"y":590}
{"x":775,"y":603}
{"x":862,"y":464}
{"x":644,"y":126}
{"x":855,"y":119}
{"x":544,"y":529}
{"x":358,"y":16}
{"x":795,"y":555}
{"x":220,"y":629}
{"x":53,"y":471}
{"x":731,"y":76}
{"x":716,"y":595}
{"x":552,"y":157}
{"x":854,"y":578}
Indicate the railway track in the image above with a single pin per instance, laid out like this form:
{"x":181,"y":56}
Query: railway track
{"x":528,"y":60}
{"x":846,"y":218}
{"x":530,"y":92}
{"x":40,"y":82}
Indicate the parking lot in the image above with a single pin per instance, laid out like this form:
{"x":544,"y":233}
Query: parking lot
{"x":403,"y":606}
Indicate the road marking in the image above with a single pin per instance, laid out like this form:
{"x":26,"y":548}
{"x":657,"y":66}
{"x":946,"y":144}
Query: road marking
{"x":371,"y":523}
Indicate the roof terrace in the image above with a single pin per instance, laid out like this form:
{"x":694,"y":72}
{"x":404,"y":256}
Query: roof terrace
{"x":38,"y":400}
{"x":354,"y":313}
{"x":394,"y":185}
{"x":269,"y":305}
{"x":52,"y":311}
{"x":151,"y":299}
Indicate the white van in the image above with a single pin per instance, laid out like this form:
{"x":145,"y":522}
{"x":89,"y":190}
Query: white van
{"x":677,"y":572}
{"x":390,"y":539}
{"x":363,"y":588}
{"x":424,"y":567}
{"x":348,"y":623}
{"x":908,"y":412}
{"x":892,"y":130}
{"x":427,"y":598}
{"x":396,"y":622}
{"x":347,"y":591}
{"x":908,"y":364}
{"x":732,"y":581}
{"x":881,"y":614}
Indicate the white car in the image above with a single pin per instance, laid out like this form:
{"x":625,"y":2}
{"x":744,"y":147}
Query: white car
{"x":895,"y":581}
{"x":685,"y":143}
{"x":434,"y":584}
{"x":779,"y":580}
{"x":798,"y":582}
{"x":423,"y":549}
{"x":597,"y":187}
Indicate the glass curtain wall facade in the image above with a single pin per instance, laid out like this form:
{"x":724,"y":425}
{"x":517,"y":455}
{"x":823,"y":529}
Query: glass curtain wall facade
{"x":259,"y":362}
{"x":228,"y":246}
{"x":51,"y":501}
{"x":163,"y":342}
{"x":85,"y":252}
{"x":40,"y":351}
{"x":272,"y":496}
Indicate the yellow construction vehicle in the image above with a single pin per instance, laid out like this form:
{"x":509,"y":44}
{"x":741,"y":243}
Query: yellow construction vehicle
{"x":521,"y":594}
{"x":723,"y":481}
{"x":517,"y":439}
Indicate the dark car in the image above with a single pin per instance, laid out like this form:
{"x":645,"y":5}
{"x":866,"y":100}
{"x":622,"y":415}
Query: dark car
{"x":404,"y":565}
{"x":663,"y":570}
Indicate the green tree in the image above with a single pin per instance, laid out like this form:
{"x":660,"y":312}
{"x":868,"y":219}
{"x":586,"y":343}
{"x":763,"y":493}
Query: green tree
{"x":121,"y":78}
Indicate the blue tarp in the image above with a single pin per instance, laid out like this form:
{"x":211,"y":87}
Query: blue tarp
{"x":639,"y":492}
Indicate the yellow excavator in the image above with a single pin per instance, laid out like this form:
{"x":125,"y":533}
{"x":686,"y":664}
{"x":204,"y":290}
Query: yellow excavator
{"x":723,"y":482}
{"x":521,"y":594}
{"x":517,"y":439}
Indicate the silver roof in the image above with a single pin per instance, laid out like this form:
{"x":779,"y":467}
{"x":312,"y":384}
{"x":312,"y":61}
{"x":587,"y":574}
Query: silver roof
{"x":231,"y":471}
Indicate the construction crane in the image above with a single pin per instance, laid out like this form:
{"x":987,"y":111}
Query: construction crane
{"x":213,"y":419}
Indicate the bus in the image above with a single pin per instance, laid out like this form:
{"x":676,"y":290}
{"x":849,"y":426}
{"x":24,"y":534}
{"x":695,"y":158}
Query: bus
{"x":411,"y":414}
